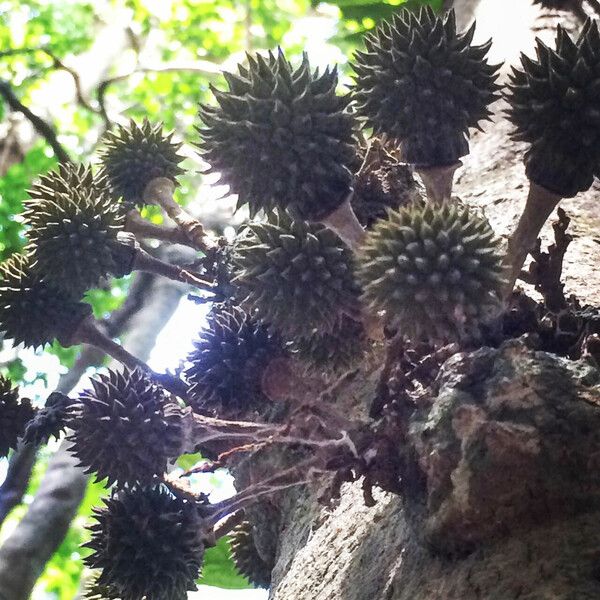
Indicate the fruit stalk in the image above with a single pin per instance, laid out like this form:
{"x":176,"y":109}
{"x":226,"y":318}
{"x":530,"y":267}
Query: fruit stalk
{"x":148,"y":263}
{"x":142,"y":228}
{"x":88,"y":333}
{"x":538,"y":208}
{"x":344,"y":222}
{"x":438,"y":181}
{"x":160,"y":191}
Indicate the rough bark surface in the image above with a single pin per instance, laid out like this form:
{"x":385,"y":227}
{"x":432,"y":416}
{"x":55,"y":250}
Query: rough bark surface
{"x":506,"y":505}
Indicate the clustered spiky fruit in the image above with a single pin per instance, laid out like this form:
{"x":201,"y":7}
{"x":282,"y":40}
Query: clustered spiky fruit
{"x":333,"y":351}
{"x":135,"y":155}
{"x":553,"y":105}
{"x":15,"y":413}
{"x":148,"y":545}
{"x":435,"y":270}
{"x":295,"y":276}
{"x":125,"y":428}
{"x":386,"y":182}
{"x":35,"y":312}
{"x":228,"y":361}
{"x":73,"y":230}
{"x":424,"y":84}
{"x":281,"y":137}
{"x":50,"y":421}
{"x":246,"y":556}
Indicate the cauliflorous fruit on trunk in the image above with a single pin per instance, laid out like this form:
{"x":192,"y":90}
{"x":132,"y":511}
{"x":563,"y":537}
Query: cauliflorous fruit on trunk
{"x":295,"y":276}
{"x":15,"y":413}
{"x":422,"y":83}
{"x":125,"y":428}
{"x":435,"y":270}
{"x":73,"y":227}
{"x":148,"y":544}
{"x":35,"y":312}
{"x":135,"y":155}
{"x":228,"y":361}
{"x":553,"y":103}
{"x":281,"y":137}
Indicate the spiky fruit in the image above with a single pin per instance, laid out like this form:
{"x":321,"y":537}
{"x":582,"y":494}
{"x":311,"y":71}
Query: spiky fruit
{"x":73,"y":227}
{"x":424,"y":84}
{"x":554,"y":4}
{"x":148,"y":545}
{"x":49,"y":421}
{"x":553,"y":105}
{"x":125,"y":428}
{"x":340,"y":349}
{"x":435,"y":270}
{"x":246,"y":557}
{"x":295,"y":276}
{"x":386,"y":182}
{"x":135,"y":155}
{"x":228,"y":361}
{"x":35,"y":312}
{"x":14,"y":415}
{"x":281,"y":137}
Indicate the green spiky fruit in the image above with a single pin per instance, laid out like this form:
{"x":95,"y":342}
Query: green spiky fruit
{"x":35,"y":312}
{"x":435,"y":270}
{"x":15,"y":413}
{"x":281,"y":137}
{"x":553,"y":105}
{"x":246,"y":558}
{"x":295,"y":276}
{"x":50,"y":421}
{"x":148,"y":545}
{"x":135,"y":155}
{"x":228,"y":361}
{"x":424,"y":84}
{"x":73,"y":228}
{"x":125,"y":428}
{"x":386,"y":182}
{"x":340,"y":349}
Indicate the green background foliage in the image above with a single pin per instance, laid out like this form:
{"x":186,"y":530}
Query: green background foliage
{"x":171,"y":51}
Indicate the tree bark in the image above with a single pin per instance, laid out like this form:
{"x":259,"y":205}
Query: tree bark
{"x":504,"y":499}
{"x":25,"y":553}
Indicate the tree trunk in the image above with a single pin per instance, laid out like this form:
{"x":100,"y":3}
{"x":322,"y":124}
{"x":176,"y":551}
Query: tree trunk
{"x":504,"y":499}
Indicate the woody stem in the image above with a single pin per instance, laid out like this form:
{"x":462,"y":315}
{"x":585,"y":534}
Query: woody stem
{"x":160,"y":191}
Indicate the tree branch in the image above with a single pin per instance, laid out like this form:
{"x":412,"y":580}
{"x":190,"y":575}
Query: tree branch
{"x":42,"y":127}
{"x":199,"y":66}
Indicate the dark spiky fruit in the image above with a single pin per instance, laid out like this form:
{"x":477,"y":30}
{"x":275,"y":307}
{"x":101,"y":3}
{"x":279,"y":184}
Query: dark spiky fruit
{"x":554,"y":4}
{"x":335,"y":351}
{"x":295,"y":276}
{"x":228,"y":361}
{"x":435,"y":270}
{"x":35,"y":312}
{"x":125,"y":428}
{"x":73,"y":228}
{"x":553,"y":105}
{"x":384,"y":182}
{"x":148,"y":545}
{"x":281,"y":137}
{"x":14,"y":415}
{"x":135,"y":155}
{"x":49,"y":421}
{"x":424,"y":84}
{"x":246,"y":557}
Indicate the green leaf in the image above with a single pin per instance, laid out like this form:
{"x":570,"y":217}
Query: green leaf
{"x":219,"y":569}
